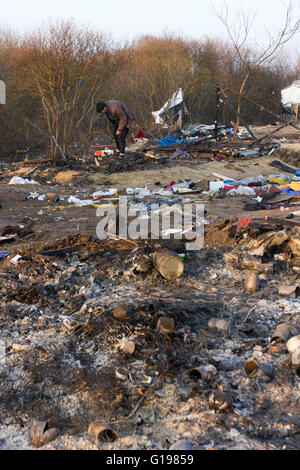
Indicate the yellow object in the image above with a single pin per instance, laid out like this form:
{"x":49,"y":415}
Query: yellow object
{"x":295,"y":186}
{"x":277,"y":180}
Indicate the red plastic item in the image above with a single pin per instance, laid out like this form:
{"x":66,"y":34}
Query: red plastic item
{"x":170,"y":185}
{"x":140,"y":135}
{"x":243,"y":223}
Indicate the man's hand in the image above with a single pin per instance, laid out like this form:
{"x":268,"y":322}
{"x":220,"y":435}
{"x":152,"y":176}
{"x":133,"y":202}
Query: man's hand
{"x":118,"y":133}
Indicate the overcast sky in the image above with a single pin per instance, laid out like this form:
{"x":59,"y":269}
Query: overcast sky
{"x":127,"y":20}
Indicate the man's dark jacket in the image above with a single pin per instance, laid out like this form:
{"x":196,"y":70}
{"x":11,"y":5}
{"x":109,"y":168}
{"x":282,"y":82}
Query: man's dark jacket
{"x":119,"y":114}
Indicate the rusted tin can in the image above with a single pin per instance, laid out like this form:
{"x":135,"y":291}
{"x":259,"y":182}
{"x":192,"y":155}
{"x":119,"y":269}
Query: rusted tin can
{"x":295,"y":361}
{"x":40,"y":434}
{"x":281,"y":333}
{"x":222,"y":402}
{"x":252,"y":368}
{"x":165,"y":325}
{"x":251,"y":280}
{"x":279,"y":338}
{"x":293,"y":346}
{"x":101,"y":432}
{"x":120,"y":312}
{"x":205,"y":373}
{"x":218,"y":324}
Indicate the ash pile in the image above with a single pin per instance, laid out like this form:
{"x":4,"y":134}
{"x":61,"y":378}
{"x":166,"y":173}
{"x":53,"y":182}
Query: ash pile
{"x":104,"y":345}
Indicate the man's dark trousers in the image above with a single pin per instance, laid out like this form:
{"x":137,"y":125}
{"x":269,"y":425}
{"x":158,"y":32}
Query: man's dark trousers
{"x":120,"y":139}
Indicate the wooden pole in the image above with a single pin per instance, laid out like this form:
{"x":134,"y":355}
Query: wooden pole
{"x":218,"y":92}
{"x":58,"y":148}
{"x":241,"y":118}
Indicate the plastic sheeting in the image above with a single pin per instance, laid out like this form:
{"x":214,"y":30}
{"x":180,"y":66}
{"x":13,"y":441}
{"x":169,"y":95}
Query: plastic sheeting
{"x":177,"y":101}
{"x":291,"y":95}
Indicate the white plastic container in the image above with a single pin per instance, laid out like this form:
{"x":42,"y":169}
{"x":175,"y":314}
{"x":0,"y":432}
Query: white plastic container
{"x":216,"y":185}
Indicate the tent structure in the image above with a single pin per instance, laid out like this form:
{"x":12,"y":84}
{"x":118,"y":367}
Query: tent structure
{"x":2,"y":92}
{"x":173,"y":110}
{"x":290,"y":100}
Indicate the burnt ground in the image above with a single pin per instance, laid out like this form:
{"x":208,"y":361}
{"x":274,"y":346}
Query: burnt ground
{"x":61,"y":347}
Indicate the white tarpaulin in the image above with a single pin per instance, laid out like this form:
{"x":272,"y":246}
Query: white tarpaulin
{"x":290,"y":96}
{"x":2,"y":92}
{"x":19,"y":180}
{"x":176,"y":106}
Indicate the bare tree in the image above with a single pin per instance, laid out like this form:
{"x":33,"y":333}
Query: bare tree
{"x":239,"y":26}
{"x":64,"y":67}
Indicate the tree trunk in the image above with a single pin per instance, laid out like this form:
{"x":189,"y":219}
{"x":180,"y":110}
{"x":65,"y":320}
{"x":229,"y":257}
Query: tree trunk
{"x":238,"y":113}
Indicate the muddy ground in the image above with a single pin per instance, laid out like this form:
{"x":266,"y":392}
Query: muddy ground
{"x":61,"y":347}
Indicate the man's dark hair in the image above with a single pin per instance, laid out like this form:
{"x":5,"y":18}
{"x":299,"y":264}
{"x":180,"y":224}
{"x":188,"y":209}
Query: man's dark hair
{"x":99,"y":106}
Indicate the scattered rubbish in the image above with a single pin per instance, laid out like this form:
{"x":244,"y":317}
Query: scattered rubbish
{"x":293,"y":347}
{"x":19,"y":180}
{"x":15,"y":259}
{"x":101,"y":433}
{"x":279,"y":338}
{"x":127,"y":347}
{"x":100,"y":194}
{"x":40,"y":434}
{"x":180,"y":153}
{"x":225,"y":363}
{"x":173,"y":110}
{"x":80,"y":202}
{"x":295,"y":361}
{"x":165,"y":325}
{"x":218,"y":324}
{"x":169,"y":265}
{"x":283,"y":167}
{"x":221,"y":402}
{"x":289,"y":291}
{"x":181,"y":445}
{"x":281,"y":333}
{"x":142,"y":192}
{"x":252,"y":368}
{"x":253,"y":153}
{"x":242,"y":191}
{"x":89,"y":316}
{"x":216,"y":185}
{"x":251,"y":280}
{"x":8,"y":239}
{"x":293,"y":344}
{"x":10,"y":232}
{"x":120,"y":376}
{"x":291,"y":188}
{"x":120,"y":312}
{"x":205,"y":373}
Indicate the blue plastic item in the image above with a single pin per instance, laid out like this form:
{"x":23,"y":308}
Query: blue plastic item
{"x":169,"y":141}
